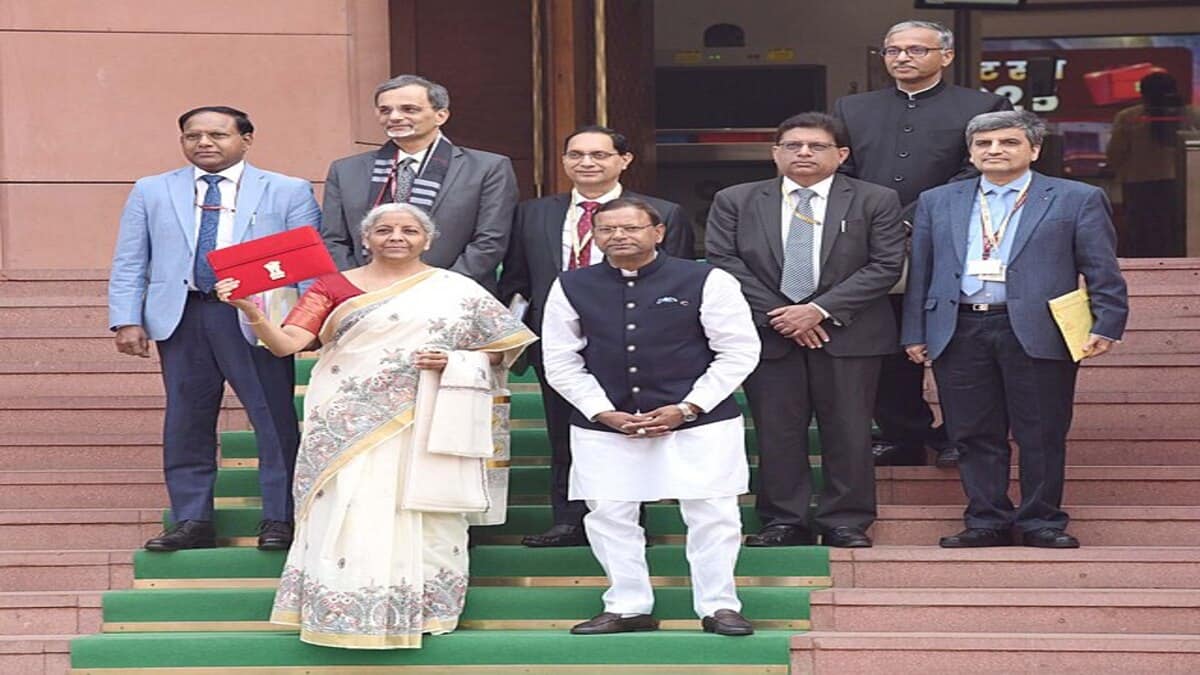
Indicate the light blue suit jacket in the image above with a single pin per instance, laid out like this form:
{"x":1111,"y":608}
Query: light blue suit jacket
{"x":152,"y":263}
{"x":1065,"y":230}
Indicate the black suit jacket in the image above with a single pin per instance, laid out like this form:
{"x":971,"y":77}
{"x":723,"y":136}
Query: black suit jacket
{"x":473,"y":212}
{"x":534,"y":257}
{"x":858,"y":265}
{"x":912,"y":149}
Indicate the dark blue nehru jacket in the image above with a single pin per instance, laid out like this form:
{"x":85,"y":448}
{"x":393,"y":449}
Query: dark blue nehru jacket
{"x":645,"y":343}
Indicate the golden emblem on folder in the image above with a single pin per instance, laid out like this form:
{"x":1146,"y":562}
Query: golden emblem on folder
{"x":275,"y":270}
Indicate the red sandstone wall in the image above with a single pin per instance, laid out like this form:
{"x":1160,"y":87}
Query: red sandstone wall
{"x":89,"y":94}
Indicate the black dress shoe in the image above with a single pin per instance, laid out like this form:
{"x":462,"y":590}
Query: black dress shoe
{"x":1048,"y":537}
{"x":559,"y":535}
{"x":948,"y":457}
{"x":274,"y":535}
{"x":977,"y":537}
{"x":887,"y":453}
{"x":781,"y":535}
{"x":846,"y":537}
{"x":607,"y":622}
{"x":184,"y":534}
{"x":727,"y":622}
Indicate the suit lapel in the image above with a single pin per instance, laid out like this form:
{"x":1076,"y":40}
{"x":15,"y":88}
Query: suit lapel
{"x":552,"y":219}
{"x":1041,"y":196}
{"x":182,"y":188}
{"x":960,"y":216}
{"x":840,"y":195}
{"x":249,"y":194}
{"x":768,"y":207}
{"x":456,"y":165}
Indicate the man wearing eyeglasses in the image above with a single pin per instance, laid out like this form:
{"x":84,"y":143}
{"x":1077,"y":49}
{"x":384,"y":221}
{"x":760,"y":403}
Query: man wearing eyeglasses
{"x":649,"y":349}
{"x":910,"y":138}
{"x":554,"y":234}
{"x":816,"y":253}
{"x":470,"y":193}
{"x":161,"y":289}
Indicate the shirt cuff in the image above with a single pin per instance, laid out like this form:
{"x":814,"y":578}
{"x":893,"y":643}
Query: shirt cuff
{"x":820,"y":309}
{"x":594,"y":406}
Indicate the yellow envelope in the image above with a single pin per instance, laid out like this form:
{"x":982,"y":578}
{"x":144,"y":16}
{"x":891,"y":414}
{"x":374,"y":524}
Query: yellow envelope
{"x":1073,"y":314}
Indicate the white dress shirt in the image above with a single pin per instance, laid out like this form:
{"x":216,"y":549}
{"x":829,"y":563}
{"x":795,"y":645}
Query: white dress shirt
{"x":695,"y":463}
{"x":571,"y":223}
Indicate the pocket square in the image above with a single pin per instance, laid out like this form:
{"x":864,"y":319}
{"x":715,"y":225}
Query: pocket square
{"x":667,"y":300}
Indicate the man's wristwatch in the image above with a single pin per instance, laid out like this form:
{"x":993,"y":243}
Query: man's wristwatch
{"x":688,"y":414}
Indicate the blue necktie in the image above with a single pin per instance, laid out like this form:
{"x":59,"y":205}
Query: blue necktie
{"x":998,"y":208}
{"x":206,"y":240}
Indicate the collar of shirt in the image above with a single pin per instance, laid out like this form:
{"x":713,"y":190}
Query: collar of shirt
{"x":419,"y":156}
{"x":232,"y":174}
{"x":577,"y":199}
{"x":821,"y":187}
{"x":987,"y":186}
{"x":632,"y":273}
{"x":924,"y":93}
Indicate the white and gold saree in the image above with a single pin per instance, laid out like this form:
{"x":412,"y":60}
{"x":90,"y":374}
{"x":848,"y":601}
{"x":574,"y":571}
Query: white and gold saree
{"x":374,"y":565}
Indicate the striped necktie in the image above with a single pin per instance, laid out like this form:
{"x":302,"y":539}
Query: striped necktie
{"x":798,"y":280}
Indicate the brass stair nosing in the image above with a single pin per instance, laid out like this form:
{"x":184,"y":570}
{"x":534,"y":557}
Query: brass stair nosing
{"x":510,"y":669}
{"x":501,"y":581}
{"x":476,"y":624}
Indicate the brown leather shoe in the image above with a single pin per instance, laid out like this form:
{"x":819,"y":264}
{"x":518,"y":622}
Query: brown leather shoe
{"x":184,"y":534}
{"x":608,"y":622}
{"x":727,"y":622}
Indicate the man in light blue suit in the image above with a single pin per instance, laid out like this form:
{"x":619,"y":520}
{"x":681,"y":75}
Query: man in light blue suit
{"x":987,"y":256}
{"x":161,"y":290}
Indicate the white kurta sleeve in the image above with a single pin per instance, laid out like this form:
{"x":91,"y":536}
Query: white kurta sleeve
{"x":731,"y":334}
{"x":562,"y":342}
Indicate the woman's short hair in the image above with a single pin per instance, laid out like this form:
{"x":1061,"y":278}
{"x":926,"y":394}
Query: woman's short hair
{"x":382,"y":210}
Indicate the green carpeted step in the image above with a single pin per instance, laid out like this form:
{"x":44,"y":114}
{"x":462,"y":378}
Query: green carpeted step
{"x":483,"y":604}
{"x":527,"y":482}
{"x":486,"y":561}
{"x":662,"y":519}
{"x":525,"y":443}
{"x":463,"y":647}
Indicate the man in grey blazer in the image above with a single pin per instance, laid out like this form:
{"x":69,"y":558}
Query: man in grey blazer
{"x":816,"y":253}
{"x":161,"y":289}
{"x":469,"y":193}
{"x":551,"y":235}
{"x":987,"y":257}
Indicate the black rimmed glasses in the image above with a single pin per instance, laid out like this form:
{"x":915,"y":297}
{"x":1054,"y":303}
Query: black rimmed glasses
{"x":794,"y":147}
{"x":915,"y":51}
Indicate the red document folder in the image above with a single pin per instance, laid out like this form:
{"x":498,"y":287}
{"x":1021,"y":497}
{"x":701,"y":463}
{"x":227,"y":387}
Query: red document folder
{"x":271,"y":262}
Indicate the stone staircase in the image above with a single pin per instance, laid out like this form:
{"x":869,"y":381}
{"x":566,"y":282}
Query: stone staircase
{"x":81,"y":489}
{"x":1127,"y":602}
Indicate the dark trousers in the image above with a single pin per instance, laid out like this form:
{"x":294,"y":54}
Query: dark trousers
{"x":558,"y":416}
{"x":988,"y":385}
{"x":903,"y":416}
{"x":784,"y":394}
{"x":206,"y":349}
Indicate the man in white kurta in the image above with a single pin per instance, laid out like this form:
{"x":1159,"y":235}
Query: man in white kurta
{"x":649,"y":350}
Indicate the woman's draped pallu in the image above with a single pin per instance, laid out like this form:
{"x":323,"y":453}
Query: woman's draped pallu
{"x":395,"y":462}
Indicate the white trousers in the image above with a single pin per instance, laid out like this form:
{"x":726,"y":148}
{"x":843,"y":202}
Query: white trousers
{"x":714,"y":538}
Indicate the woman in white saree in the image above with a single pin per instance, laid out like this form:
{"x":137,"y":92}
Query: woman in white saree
{"x":405,"y":434}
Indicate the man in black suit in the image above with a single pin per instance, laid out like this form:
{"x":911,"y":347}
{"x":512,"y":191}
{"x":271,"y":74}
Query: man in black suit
{"x":816,"y":253}
{"x":551,"y":235}
{"x":469,"y":193}
{"x":910,"y":138}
